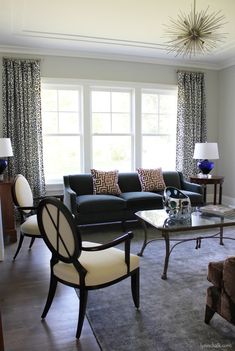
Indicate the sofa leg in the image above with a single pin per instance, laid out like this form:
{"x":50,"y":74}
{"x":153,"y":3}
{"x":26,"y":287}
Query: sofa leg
{"x":209,"y":313}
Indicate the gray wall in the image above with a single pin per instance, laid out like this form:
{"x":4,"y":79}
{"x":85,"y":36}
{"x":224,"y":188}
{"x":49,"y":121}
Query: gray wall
{"x":84,"y":68}
{"x":226,"y":134}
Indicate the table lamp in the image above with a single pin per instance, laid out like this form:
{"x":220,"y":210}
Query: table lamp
{"x":204,"y":152}
{"x":5,"y":151}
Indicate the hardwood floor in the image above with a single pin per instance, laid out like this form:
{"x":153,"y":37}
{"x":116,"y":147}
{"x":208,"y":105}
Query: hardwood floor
{"x":23,"y":291}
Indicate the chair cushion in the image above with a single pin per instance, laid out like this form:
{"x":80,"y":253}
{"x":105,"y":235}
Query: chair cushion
{"x":102,"y":266}
{"x":30,"y":226}
{"x":105,"y":182}
{"x":99,"y":203}
{"x":142,"y":200}
{"x":151,"y":179}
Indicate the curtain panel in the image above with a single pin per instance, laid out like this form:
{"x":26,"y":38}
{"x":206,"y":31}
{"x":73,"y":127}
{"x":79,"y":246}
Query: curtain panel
{"x":22,"y":120}
{"x":191,"y":119}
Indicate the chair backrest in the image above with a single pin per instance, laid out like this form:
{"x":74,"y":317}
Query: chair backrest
{"x":59,"y":230}
{"x":22,"y":193}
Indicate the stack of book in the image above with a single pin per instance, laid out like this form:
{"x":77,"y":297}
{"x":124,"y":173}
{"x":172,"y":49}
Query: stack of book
{"x":219,"y":210}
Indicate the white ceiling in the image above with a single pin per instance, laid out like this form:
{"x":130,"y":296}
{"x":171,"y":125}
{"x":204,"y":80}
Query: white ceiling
{"x":121,"y":29}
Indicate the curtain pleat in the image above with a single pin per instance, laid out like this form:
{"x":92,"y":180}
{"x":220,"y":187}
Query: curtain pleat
{"x":22,"y":120}
{"x":191,"y":119}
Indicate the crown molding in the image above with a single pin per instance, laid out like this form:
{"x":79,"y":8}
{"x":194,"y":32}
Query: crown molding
{"x":175,"y":62}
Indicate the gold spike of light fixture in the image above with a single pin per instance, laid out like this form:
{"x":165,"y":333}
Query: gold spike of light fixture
{"x":195,"y":33}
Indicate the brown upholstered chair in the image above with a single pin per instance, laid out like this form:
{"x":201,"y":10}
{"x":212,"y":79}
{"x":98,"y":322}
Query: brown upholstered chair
{"x":221,"y":296}
{"x":83,"y":265}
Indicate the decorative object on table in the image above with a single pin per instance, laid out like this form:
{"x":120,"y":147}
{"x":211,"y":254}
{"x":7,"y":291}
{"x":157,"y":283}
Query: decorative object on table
{"x":204,"y":152}
{"x":177,"y":204}
{"x":195,"y":33}
{"x":5,"y":151}
{"x":220,"y":210}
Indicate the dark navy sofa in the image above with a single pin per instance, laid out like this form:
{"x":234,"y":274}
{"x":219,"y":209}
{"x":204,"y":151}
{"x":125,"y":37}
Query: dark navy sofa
{"x":88,"y":208}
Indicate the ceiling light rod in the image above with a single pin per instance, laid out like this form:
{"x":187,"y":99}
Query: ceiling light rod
{"x":195,"y":32}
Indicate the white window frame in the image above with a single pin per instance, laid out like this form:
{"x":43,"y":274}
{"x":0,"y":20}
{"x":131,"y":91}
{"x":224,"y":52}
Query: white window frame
{"x":86,"y":87}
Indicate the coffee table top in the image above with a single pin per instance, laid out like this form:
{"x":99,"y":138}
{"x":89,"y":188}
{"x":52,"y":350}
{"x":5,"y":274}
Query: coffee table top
{"x":160,"y":220}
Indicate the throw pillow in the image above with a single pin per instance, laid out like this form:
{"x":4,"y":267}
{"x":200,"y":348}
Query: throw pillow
{"x":151,"y":179}
{"x":105,"y":182}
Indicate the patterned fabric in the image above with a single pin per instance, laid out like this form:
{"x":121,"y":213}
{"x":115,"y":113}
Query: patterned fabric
{"x":22,"y":120}
{"x":191,"y":120}
{"x":151,"y":179}
{"x":105,"y":182}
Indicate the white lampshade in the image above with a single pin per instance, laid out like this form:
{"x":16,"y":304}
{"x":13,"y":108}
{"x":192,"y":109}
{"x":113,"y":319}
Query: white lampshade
{"x":206,"y":151}
{"x":5,"y":147}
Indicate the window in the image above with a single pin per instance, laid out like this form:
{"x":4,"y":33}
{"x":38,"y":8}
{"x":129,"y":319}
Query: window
{"x":106,"y":126}
{"x":111,"y":129}
{"x":61,"y":125}
{"x":158,"y":129}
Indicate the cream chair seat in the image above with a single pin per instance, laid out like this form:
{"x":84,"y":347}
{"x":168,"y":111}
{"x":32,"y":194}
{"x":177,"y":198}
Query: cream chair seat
{"x":83,"y":265}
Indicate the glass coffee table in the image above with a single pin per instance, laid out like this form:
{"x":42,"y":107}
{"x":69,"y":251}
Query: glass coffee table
{"x":159,"y":219}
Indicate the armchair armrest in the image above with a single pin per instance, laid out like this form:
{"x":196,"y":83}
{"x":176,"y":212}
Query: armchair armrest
{"x":70,"y":197}
{"x":228,"y":277}
{"x":126,"y":238}
{"x":186,"y":185}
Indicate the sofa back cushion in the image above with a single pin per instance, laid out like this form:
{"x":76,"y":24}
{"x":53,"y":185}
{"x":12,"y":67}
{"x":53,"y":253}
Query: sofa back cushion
{"x":129,"y":182}
{"x":172,"y":178}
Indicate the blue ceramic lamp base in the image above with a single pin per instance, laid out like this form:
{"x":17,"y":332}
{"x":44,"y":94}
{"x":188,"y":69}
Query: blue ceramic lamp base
{"x":205,"y":166}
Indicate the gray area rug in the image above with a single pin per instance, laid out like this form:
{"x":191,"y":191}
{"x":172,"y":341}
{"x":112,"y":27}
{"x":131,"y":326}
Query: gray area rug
{"x":171,"y":315}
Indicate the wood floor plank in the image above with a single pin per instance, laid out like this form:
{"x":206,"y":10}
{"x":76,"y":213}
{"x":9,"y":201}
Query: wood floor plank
{"x":23,"y":291}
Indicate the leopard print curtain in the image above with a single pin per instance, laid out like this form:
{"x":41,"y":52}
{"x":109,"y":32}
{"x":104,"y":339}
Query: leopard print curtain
{"x":22,"y":120}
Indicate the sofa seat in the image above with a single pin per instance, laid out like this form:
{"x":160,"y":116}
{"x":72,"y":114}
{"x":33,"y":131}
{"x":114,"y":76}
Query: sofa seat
{"x":142,"y":199}
{"x":99,"y":203}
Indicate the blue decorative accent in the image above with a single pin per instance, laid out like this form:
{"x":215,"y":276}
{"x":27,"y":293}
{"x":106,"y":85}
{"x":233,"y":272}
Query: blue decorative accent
{"x":3,"y":165}
{"x":205,"y":166}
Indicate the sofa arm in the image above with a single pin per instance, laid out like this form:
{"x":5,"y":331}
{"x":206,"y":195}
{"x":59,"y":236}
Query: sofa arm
{"x":70,"y":198}
{"x":185,"y":185}
{"x":229,"y":276}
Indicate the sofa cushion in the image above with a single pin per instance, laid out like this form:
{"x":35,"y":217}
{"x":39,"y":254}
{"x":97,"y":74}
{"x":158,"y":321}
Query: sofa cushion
{"x":105,"y":182}
{"x":139,"y":200}
{"x":151,"y":179}
{"x":172,"y":178}
{"x":99,"y":203}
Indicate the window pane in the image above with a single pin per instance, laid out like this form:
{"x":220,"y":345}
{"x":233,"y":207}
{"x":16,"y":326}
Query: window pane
{"x":61,"y":156}
{"x":68,"y":100}
{"x":101,"y":123}
{"x":101,"y":101}
{"x":168,"y":104}
{"x":112,"y":152}
{"x":121,"y":123}
{"x":68,"y":122}
{"x":50,"y":122}
{"x":149,"y":103}
{"x":49,"y":100}
{"x":120,"y":102}
{"x":149,"y":124}
{"x":167,"y":124}
{"x":158,"y":151}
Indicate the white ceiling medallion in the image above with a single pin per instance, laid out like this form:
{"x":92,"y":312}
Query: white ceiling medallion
{"x":195,"y":33}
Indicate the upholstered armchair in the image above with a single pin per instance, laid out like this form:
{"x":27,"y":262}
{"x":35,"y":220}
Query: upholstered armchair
{"x":83,"y":265}
{"x":221,"y":296}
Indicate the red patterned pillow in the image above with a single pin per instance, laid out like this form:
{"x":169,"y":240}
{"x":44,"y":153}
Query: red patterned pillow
{"x":105,"y":182}
{"x":151,"y":179}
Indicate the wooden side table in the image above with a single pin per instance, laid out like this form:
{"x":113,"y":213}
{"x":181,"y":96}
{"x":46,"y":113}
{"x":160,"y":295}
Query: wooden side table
{"x":8,"y":216}
{"x":215,"y":180}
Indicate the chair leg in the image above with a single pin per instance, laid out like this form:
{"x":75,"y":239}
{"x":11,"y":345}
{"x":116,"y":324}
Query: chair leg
{"x":31,"y":242}
{"x":82,"y":311}
{"x":51,"y":294}
{"x":209,"y":313}
{"x":19,"y":245}
{"x":135,"y":288}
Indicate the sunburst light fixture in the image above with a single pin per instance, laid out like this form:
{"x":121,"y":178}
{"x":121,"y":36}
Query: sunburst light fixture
{"x":195,"y":33}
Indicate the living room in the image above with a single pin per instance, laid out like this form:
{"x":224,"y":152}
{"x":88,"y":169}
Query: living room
{"x":97,"y":57}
